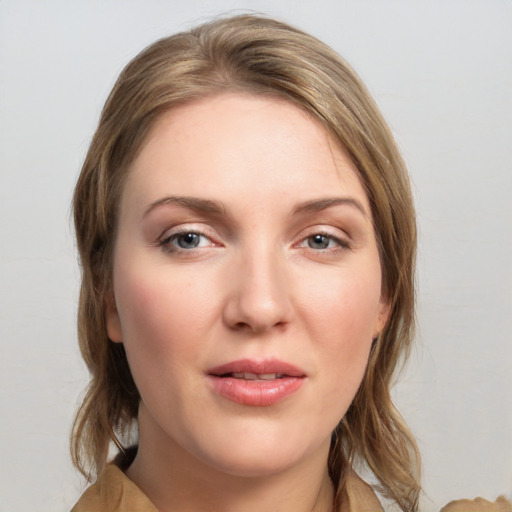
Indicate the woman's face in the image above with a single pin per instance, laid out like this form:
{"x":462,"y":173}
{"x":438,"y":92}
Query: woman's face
{"x":247,"y":284}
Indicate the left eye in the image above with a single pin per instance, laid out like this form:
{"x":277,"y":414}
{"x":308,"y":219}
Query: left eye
{"x":321,"y":241}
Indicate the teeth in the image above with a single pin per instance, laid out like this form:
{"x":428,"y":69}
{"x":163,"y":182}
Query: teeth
{"x":268,"y":376}
{"x":255,"y":376}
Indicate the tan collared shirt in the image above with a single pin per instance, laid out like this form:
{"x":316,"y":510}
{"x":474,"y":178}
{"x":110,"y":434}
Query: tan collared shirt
{"x":115,"y":492}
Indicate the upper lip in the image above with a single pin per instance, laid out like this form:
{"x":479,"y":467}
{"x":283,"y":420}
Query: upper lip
{"x":264,"y":367}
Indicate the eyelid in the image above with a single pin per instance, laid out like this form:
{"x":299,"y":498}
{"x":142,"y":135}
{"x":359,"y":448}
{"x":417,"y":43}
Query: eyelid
{"x":336,"y":234}
{"x":187,"y":227}
{"x":165,"y":239}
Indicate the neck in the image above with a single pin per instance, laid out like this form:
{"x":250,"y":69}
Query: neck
{"x":176,"y":481}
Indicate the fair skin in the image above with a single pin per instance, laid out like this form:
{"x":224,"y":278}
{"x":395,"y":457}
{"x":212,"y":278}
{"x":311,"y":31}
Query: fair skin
{"x":247,"y":292}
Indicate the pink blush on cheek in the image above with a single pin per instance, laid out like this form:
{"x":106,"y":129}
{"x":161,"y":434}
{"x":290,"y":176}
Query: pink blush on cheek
{"x":159,"y":310}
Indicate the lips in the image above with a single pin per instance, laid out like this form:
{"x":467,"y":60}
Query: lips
{"x":256,"y":383}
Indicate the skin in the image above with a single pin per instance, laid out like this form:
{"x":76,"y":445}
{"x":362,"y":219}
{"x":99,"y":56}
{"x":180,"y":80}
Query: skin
{"x":278,"y":272}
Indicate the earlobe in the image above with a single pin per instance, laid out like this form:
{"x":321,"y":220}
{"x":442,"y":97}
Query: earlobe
{"x":112,"y":319}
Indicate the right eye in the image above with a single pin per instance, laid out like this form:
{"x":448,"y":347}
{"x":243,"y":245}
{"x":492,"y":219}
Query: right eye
{"x":185,"y":241}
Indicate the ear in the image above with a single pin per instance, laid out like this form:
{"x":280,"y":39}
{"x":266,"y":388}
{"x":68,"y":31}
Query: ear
{"x":112,"y":318}
{"x":383,"y":312}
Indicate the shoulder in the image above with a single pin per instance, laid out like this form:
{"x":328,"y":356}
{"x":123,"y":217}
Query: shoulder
{"x":478,"y":505}
{"x":113,"y":492}
{"x":360,"y":497}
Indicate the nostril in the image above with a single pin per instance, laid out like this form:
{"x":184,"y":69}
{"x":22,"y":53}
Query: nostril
{"x":241,"y":326}
{"x":257,"y":327}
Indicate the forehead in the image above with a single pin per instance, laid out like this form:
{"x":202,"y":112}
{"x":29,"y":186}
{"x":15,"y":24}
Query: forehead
{"x":242,"y":145}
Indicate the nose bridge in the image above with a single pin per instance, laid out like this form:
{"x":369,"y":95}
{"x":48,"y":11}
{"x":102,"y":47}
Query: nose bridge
{"x":260,"y":298}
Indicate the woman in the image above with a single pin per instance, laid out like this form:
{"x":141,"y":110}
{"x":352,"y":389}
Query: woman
{"x":247,"y":239}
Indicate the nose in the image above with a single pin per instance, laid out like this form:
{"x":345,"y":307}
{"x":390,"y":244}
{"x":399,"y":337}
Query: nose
{"x":260,"y":294}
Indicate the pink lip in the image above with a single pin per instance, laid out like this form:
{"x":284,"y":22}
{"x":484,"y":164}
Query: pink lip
{"x":256,"y":392}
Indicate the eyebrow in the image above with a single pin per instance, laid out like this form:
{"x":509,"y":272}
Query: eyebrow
{"x":191,"y":203}
{"x":210,"y":206}
{"x":317,"y":205}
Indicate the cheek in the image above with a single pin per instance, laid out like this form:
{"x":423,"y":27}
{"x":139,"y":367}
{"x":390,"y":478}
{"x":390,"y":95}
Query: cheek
{"x":346,"y":308}
{"x":157,"y":319}
{"x":167,"y":318}
{"x":159,"y":335}
{"x":341,"y":319}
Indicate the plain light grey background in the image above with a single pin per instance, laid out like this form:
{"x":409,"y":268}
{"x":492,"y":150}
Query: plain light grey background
{"x":441,"y":70}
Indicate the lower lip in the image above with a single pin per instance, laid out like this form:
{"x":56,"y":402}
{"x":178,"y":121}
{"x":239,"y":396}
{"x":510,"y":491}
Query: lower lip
{"x":257,"y":393}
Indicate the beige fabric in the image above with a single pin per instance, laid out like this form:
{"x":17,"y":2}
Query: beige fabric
{"x":115,"y":492}
{"x":478,"y":505}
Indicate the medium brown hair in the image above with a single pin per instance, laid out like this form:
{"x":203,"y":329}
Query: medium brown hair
{"x":260,"y":56}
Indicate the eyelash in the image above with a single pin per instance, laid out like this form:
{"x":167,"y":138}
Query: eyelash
{"x":341,"y":243}
{"x":168,"y":244}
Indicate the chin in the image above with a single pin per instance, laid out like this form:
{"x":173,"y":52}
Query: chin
{"x":257,"y":456}
{"x":252,"y":465}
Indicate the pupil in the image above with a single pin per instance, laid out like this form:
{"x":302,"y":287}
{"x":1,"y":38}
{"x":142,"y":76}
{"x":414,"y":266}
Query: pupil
{"x":319,"y":242}
{"x":188,"y":240}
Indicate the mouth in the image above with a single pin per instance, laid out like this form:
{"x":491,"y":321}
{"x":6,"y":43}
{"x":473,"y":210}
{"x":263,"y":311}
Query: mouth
{"x":249,"y":369}
{"x":254,"y":376}
{"x":256,"y":383}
